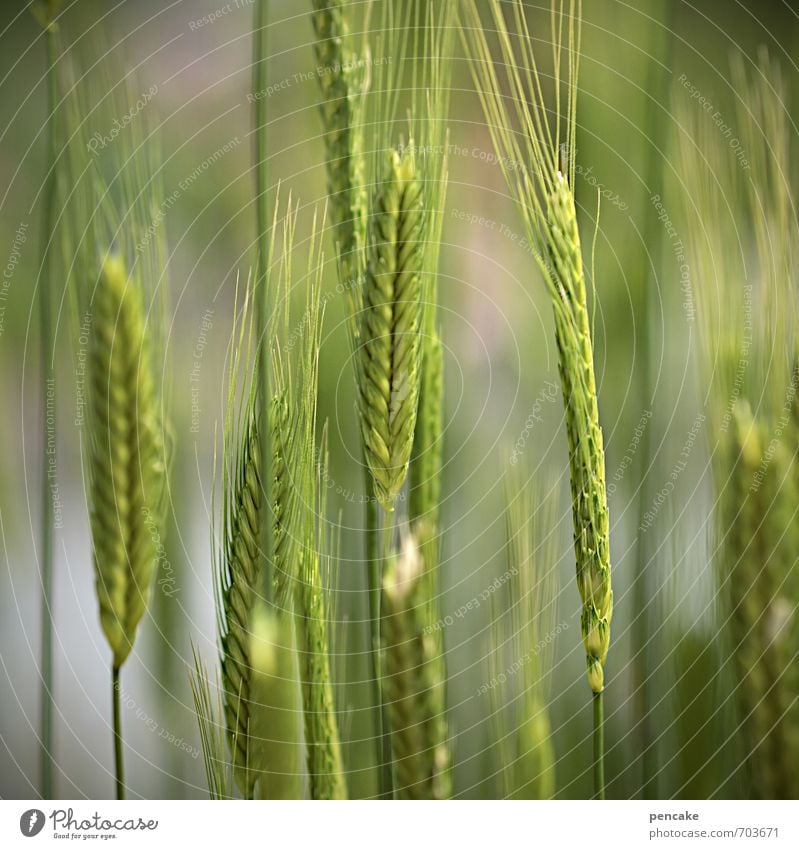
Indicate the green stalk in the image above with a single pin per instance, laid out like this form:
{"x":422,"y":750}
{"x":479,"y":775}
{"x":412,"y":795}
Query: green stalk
{"x":118,"y":764}
{"x":374,"y":565}
{"x":260,"y":73}
{"x":656,"y":120}
{"x":46,"y":347}
{"x":413,"y":680}
{"x":599,"y":747}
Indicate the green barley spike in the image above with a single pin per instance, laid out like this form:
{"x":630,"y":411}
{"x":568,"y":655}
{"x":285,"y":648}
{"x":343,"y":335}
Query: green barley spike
{"x":126,"y":458}
{"x":341,"y":93}
{"x":536,"y":145}
{"x":283,"y":495}
{"x":425,"y":491}
{"x":586,"y":449}
{"x":761,"y":586}
{"x":240,"y":584}
{"x":321,"y":730}
{"x":389,"y":356}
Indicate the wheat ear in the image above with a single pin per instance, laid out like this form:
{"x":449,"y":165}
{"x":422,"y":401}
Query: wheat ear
{"x":209,"y":712}
{"x":761,"y":588}
{"x":412,"y":681}
{"x":241,"y":578}
{"x":301,"y":541}
{"x":341,"y":87}
{"x":389,"y":367}
{"x":127,"y":464}
{"x":586,"y":450}
{"x":538,"y":163}
{"x":321,"y":729}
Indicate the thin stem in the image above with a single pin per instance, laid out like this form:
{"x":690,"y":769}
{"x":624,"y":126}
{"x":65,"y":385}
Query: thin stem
{"x":46,"y":346}
{"x":374,"y":569}
{"x":599,"y":747}
{"x":644,"y":624}
{"x":116,"y":701}
{"x":260,"y":79}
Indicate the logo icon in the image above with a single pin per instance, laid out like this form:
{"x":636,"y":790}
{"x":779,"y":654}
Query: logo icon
{"x":31,"y":822}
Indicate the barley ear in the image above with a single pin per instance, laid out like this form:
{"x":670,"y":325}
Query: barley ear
{"x":210,"y":722}
{"x":586,"y":449}
{"x":389,"y":369}
{"x":425,"y":486}
{"x":761,"y":584}
{"x":342,"y":87}
{"x":126,"y":458}
{"x":238,"y":562}
{"x":412,"y":682}
{"x":240,"y":578}
{"x":301,"y":542}
{"x":321,"y":729}
{"x":325,"y":766}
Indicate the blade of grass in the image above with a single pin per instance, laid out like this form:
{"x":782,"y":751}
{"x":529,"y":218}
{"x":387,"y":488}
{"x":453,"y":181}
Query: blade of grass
{"x":46,"y":14}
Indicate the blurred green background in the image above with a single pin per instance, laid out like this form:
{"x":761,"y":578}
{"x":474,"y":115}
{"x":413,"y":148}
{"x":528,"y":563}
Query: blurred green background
{"x":499,"y":358}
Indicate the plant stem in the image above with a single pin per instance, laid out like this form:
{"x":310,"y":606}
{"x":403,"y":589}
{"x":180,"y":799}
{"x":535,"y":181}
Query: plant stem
{"x":645,"y":622}
{"x":374,"y":570}
{"x":599,"y":747}
{"x":119,"y":767}
{"x":260,"y":68}
{"x":46,"y":344}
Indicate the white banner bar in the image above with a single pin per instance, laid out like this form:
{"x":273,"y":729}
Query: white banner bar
{"x":401,"y":825}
